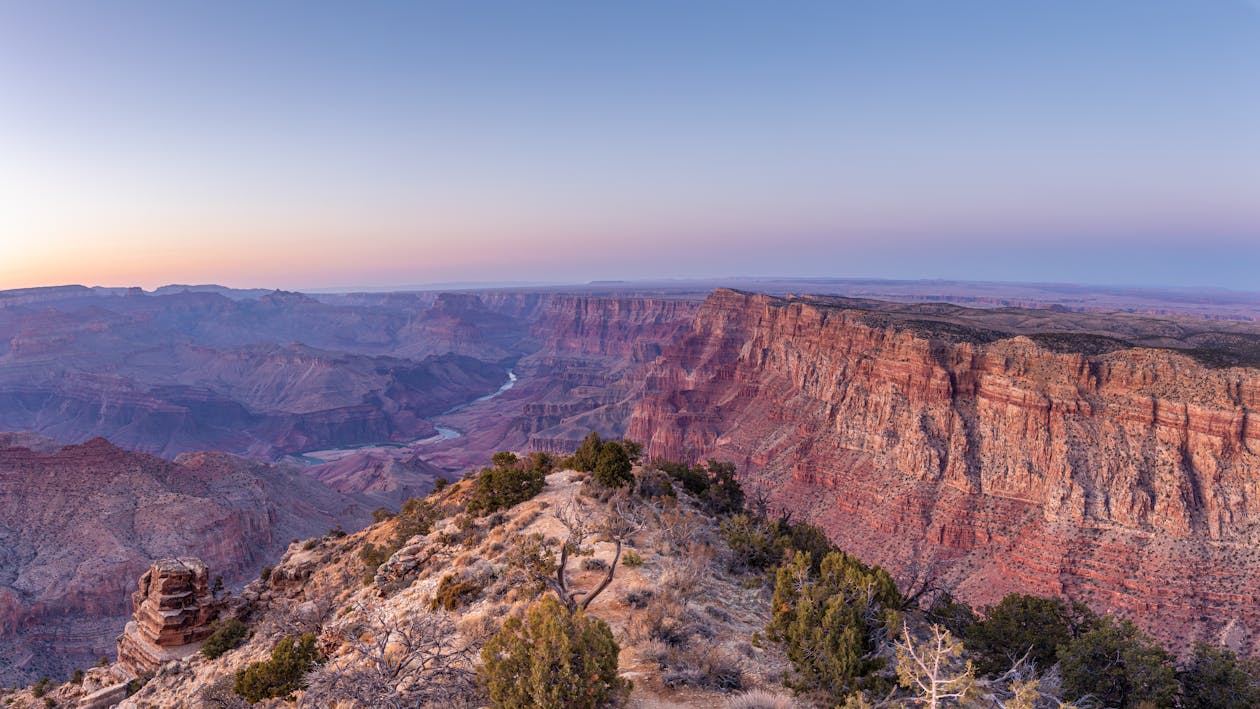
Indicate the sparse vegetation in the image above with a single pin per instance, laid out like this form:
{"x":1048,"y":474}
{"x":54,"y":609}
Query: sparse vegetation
{"x":228,"y":634}
{"x":280,"y":676}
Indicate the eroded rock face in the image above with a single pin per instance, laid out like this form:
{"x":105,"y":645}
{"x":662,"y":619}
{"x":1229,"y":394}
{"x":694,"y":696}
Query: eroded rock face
{"x":1125,"y":477}
{"x":79,"y":525}
{"x":174,"y":612}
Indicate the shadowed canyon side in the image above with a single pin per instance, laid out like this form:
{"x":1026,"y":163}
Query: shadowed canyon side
{"x":584,"y":374}
{"x":78,"y":525}
{"x":1065,"y":463}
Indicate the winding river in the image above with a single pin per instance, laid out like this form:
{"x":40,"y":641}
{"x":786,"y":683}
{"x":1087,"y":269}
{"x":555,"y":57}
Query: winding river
{"x":444,"y":433}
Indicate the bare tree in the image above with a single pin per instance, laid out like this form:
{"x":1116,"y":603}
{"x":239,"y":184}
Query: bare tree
{"x":620,"y":520}
{"x":397,"y":659}
{"x":934,"y":670}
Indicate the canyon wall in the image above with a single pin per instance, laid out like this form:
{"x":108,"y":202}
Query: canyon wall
{"x":1125,"y":477}
{"x":582,"y":373}
{"x":78,"y":525}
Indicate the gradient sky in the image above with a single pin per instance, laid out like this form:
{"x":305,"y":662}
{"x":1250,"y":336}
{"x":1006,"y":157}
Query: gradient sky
{"x":305,"y":145}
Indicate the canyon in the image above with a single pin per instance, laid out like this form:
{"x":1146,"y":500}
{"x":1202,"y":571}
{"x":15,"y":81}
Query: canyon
{"x":79,"y":524}
{"x":1060,"y":448}
{"x":996,"y":450}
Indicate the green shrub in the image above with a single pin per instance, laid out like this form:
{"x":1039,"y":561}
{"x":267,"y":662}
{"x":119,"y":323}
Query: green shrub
{"x":228,"y":634}
{"x":280,"y":676}
{"x":1021,"y":624}
{"x":832,"y":623}
{"x":77,"y":677}
{"x":380,"y":514}
{"x":1118,"y":666}
{"x":415,"y":518}
{"x":723,"y":495}
{"x":41,"y":687}
{"x":1215,"y":678}
{"x":500,"y":488}
{"x":755,"y":544}
{"x":552,"y":660}
{"x":440,"y":484}
{"x":372,"y":557}
{"x":693,"y":480}
{"x":587,"y":454}
{"x":613,"y":468}
{"x":453,"y":592}
{"x":264,"y":574}
{"x":631,"y":559}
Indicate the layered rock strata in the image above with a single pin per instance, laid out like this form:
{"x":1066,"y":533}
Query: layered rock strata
{"x":1126,"y":477}
{"x":174,"y":609}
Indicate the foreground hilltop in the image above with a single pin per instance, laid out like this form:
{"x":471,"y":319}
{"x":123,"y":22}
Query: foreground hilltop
{"x":658,"y":586}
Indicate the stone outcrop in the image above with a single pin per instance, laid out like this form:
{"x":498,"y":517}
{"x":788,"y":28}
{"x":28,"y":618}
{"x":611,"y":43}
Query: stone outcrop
{"x":1072,"y":464}
{"x":174,"y":609}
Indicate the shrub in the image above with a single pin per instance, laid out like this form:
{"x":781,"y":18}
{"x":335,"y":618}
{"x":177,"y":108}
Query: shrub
{"x":653,"y":484}
{"x":587,"y":454}
{"x":754,"y":544}
{"x":280,"y":676}
{"x":41,"y":687}
{"x":723,"y":495}
{"x":372,"y":557}
{"x":453,"y":592}
{"x":415,"y":518}
{"x":380,"y":514}
{"x":228,"y":634}
{"x":1021,"y":624}
{"x":832,"y":624}
{"x":631,"y":559}
{"x":1213,"y":678}
{"x":552,"y":659}
{"x":613,"y":468}
{"x":77,"y":677}
{"x":1118,"y":666}
{"x":500,"y":488}
{"x":694,"y":481}
{"x":440,"y":484}
{"x":264,"y":574}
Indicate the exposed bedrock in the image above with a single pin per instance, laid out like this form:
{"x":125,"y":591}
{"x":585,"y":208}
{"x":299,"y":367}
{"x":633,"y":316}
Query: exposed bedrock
{"x":1129,"y":477}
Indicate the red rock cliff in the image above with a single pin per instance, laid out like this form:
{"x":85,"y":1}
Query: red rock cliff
{"x":1128,"y":479}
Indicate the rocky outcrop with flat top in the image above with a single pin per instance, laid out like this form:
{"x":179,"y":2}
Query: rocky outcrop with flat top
{"x":174,"y":612}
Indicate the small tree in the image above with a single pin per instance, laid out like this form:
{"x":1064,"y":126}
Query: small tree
{"x":833,"y":625}
{"x":723,"y":495}
{"x":1118,"y":666}
{"x":1022,"y":625}
{"x":616,"y":524}
{"x":613,"y":467}
{"x":280,"y":676}
{"x":936,"y":669}
{"x":1214,"y":678}
{"x":553,"y":659}
{"x":587,"y":454}
{"x":499,"y":488}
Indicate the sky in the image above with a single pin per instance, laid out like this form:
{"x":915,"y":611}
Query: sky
{"x":377,"y":144}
